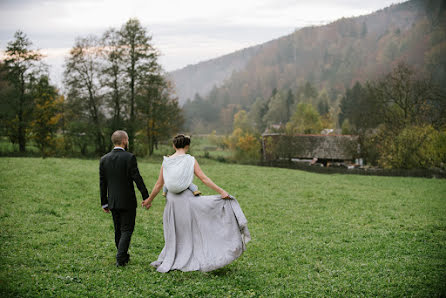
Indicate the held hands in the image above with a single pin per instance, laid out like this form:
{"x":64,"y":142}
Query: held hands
{"x":146,"y":204}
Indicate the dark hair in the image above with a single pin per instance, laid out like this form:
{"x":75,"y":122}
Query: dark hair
{"x":181,"y":141}
{"x":118,"y":137}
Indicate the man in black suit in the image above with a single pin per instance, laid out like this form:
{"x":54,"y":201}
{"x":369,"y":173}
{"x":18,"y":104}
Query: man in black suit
{"x":117,"y":172}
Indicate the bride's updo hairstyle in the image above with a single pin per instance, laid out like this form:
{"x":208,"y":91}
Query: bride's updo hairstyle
{"x":181,"y":141}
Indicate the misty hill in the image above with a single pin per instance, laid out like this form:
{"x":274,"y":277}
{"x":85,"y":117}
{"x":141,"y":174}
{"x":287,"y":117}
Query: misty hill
{"x":331,"y":57}
{"x":201,"y":77}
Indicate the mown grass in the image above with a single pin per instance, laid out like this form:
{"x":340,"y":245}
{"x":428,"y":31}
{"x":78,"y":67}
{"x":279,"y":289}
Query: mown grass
{"x":201,"y":146}
{"x":313,"y":235}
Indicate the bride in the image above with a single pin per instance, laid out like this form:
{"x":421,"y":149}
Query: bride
{"x":200,"y":232}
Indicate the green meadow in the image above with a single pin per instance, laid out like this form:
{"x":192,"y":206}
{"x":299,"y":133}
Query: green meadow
{"x":313,"y":235}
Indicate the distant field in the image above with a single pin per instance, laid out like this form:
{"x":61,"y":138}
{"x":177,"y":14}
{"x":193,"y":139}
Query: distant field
{"x":201,"y":146}
{"x":313,"y":235}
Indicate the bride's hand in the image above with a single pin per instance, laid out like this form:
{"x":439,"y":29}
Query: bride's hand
{"x":224,"y":195}
{"x":146,"y":203}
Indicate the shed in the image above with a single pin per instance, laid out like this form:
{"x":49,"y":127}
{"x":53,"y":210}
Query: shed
{"x":308,"y":146}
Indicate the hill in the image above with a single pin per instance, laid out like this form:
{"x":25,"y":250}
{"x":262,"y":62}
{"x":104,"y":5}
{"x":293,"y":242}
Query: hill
{"x":331,"y":57}
{"x":200,"y":78}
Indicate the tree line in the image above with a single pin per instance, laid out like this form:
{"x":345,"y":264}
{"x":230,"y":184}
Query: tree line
{"x":113,"y":81}
{"x":400,"y":120}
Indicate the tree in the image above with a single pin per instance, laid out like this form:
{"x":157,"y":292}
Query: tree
{"x":46,"y":114}
{"x":257,"y":112}
{"x":241,"y":120}
{"x":113,"y":77}
{"x":20,"y":68}
{"x":277,"y":110}
{"x":414,"y":147}
{"x":361,"y":107}
{"x":158,"y":110}
{"x":323,"y":107}
{"x":407,"y":100}
{"x":7,"y":110}
{"x":304,"y":120}
{"x":289,"y":103}
{"x":346,"y":128}
{"x":309,"y":92}
{"x":364,"y":30}
{"x":243,"y":141}
{"x":82,"y":79}
{"x":140,"y":60}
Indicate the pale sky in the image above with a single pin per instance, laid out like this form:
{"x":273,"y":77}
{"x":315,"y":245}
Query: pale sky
{"x":186,"y":32}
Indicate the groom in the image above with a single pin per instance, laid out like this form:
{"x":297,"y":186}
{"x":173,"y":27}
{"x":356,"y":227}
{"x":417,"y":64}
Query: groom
{"x":117,"y":172}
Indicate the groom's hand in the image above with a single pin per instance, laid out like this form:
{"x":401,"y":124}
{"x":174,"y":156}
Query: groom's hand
{"x":147,"y":204}
{"x":106,"y":210}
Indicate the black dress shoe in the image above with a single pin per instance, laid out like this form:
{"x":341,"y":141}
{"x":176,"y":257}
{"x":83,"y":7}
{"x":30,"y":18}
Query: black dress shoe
{"x":124,"y":262}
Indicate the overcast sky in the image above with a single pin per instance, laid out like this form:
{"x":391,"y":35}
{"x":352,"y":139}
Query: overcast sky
{"x":186,"y":32}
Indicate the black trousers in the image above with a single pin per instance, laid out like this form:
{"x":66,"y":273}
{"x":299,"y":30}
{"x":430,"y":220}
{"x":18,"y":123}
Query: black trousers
{"x":124,"y":223}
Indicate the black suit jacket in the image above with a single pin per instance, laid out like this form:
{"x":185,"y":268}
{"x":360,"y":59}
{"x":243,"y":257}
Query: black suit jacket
{"x":117,"y":171}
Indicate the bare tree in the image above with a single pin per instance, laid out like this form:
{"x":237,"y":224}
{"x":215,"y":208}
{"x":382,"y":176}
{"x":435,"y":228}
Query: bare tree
{"x":140,"y":61}
{"x":408,"y":99}
{"x":113,"y":77}
{"x":82,"y":72}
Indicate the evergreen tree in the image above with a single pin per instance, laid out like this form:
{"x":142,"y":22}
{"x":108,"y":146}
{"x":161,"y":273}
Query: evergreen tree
{"x":289,"y":104}
{"x":19,"y":72}
{"x":257,"y":113}
{"x":277,"y":110}
{"x":364,"y":30}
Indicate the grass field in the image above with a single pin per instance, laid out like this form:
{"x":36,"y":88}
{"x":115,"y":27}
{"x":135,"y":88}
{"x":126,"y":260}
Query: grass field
{"x":202,"y":146}
{"x":313,"y":235}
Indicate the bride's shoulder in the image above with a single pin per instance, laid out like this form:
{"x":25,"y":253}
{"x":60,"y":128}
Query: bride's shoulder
{"x":190,"y":158}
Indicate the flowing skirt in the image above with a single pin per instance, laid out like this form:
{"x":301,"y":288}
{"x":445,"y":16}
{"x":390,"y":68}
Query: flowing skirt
{"x":201,"y":233}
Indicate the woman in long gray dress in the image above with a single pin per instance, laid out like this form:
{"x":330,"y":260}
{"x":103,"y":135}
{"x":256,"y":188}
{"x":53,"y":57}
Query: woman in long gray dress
{"x":200,"y":232}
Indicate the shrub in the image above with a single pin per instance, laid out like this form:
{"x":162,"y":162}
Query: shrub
{"x":412,"y":147}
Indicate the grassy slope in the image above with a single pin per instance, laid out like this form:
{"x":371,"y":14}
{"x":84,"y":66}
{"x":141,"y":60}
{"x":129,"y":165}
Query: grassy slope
{"x":312,"y":234}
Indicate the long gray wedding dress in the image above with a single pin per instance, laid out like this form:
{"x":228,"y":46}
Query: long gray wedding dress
{"x":200,"y":232}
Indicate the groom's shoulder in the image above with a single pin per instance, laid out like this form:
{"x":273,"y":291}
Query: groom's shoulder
{"x":105,"y":156}
{"x":121,"y":154}
{"x":125,"y":154}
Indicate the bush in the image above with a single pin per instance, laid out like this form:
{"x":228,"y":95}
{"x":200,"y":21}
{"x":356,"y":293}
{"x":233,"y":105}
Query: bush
{"x":245,"y":145}
{"x":248,"y":148}
{"x":413,"y":147}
